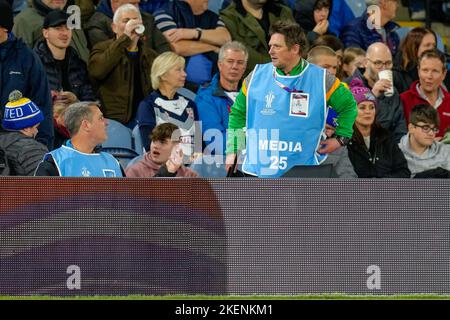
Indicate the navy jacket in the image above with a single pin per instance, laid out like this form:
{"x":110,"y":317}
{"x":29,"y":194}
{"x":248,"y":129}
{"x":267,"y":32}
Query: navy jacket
{"x":21,"y":69}
{"x":357,"y":34}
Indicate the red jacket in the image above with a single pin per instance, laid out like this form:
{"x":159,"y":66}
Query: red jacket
{"x":411,"y":98}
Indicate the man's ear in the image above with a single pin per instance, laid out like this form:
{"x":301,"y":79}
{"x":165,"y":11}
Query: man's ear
{"x":113,"y":27}
{"x":45,"y":33}
{"x":410,"y":127}
{"x":296,"y":48}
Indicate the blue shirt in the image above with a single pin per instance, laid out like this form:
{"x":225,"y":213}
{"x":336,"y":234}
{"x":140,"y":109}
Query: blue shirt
{"x":73,"y":163}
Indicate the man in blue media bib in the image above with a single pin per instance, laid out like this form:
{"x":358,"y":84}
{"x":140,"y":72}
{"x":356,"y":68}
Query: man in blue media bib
{"x":283,"y":106}
{"x":78,"y":158}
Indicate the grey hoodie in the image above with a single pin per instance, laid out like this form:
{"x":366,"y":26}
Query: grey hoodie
{"x":437,"y":155}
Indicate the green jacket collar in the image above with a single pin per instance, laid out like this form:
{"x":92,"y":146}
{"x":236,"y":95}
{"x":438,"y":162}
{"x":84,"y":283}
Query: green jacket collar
{"x":297,"y":69}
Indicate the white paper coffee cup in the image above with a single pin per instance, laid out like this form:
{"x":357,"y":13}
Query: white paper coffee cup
{"x":387,"y":74}
{"x":140,"y":29}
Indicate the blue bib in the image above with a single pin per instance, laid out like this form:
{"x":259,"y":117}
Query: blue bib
{"x":72,"y":163}
{"x":284,"y":129}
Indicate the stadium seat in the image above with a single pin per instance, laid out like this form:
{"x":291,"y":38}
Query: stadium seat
{"x":187,"y":93}
{"x":119,"y":136}
{"x":119,"y":142}
{"x":137,"y":140}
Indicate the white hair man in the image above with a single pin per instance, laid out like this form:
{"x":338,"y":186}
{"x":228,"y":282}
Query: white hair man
{"x":121,"y":67}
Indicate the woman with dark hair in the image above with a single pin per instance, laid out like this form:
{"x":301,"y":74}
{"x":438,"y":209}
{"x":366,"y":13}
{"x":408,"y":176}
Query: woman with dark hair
{"x":416,"y":41}
{"x":312,"y":16}
{"x":372,"y":151}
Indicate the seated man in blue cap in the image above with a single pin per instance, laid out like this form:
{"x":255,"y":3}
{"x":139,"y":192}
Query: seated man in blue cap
{"x":22,"y":153}
{"x":79,"y":157}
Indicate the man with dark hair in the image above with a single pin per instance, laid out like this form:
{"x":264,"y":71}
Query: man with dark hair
{"x":28,"y":25}
{"x":284,"y":104}
{"x":165,"y":158}
{"x":66,"y":72}
{"x":249,"y":21}
{"x":426,"y":157}
{"x":78,"y":158}
{"x":21,"y":69}
{"x":432,"y":69}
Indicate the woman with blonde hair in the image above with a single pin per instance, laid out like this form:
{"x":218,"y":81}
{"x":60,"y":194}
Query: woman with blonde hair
{"x":165,"y":104}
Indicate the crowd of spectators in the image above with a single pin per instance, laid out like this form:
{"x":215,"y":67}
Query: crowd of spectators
{"x":65,"y":72}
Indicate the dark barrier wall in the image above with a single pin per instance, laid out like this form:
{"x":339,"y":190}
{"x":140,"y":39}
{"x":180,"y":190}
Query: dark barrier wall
{"x":224,"y":236}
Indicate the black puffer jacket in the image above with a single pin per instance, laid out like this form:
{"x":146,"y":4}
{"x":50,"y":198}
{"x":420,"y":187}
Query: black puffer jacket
{"x":77,"y":72}
{"x":383,"y":159}
{"x":23,"y":153}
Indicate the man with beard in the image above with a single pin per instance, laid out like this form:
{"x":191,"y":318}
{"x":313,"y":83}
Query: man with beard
{"x":389,"y":111}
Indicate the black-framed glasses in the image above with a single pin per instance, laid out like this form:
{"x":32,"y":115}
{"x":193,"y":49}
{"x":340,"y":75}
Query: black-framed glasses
{"x":426,"y":128}
{"x":379,"y":63}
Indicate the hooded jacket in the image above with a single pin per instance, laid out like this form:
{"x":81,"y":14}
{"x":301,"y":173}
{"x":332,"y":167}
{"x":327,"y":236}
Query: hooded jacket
{"x":147,"y":168}
{"x":99,"y":28}
{"x":28,"y":26}
{"x":21,"y":69}
{"x":304,"y":15}
{"x":436,"y":156}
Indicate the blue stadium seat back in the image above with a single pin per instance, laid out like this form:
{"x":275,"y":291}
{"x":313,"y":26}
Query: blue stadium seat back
{"x":403,"y":31}
{"x":186,"y":93}
{"x":119,"y":136}
{"x":123,"y":155}
{"x":210,"y":167}
{"x":137,"y":140}
{"x":135,"y":160}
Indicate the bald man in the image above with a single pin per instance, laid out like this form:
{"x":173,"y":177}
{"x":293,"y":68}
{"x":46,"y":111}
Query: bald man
{"x":389,"y":108}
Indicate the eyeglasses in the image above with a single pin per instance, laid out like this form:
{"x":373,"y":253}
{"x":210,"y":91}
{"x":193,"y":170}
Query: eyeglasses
{"x":379,"y":64}
{"x":426,"y":128}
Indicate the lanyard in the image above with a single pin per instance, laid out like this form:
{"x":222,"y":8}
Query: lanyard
{"x":282,"y":86}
